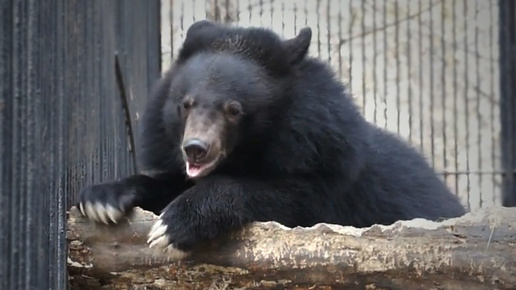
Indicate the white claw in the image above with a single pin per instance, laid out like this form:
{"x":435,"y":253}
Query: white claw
{"x":159,"y":240}
{"x":113,"y":213}
{"x":90,"y":211}
{"x":81,"y":208}
{"x":101,"y":213}
{"x":161,"y":243}
{"x":158,"y":230}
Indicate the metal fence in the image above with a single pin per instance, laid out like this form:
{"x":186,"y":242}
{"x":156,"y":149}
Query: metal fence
{"x":427,"y":70}
{"x":71,"y":74}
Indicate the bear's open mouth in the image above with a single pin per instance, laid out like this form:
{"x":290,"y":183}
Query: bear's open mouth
{"x":199,"y":169}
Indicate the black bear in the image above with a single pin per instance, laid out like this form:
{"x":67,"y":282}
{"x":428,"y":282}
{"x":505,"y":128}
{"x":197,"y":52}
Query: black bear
{"x":247,"y":127}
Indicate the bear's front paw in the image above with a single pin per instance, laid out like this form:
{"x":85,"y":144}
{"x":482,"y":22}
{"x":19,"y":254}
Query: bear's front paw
{"x":106,"y":203}
{"x":160,"y":240}
{"x":171,"y":234}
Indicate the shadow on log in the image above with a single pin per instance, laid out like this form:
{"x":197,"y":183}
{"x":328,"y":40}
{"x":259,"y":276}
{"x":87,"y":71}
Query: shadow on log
{"x":476,"y":251}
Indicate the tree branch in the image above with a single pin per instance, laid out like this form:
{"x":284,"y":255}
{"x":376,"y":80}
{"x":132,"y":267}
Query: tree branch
{"x":476,"y":251}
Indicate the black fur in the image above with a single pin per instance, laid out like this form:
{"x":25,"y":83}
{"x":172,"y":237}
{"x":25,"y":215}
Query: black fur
{"x":304,"y":153}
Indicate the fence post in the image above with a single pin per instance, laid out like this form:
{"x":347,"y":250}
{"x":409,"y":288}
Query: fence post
{"x":508,"y":98}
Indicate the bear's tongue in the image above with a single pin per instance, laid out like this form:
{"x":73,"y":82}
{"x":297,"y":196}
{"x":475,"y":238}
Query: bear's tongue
{"x":193,"y":170}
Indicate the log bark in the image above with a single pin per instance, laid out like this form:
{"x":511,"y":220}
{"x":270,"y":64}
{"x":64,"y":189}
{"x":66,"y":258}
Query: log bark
{"x":476,"y":251}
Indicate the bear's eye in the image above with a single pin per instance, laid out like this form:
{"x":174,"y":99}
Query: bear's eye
{"x":233,"y":109}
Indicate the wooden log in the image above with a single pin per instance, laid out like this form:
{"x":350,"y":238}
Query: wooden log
{"x":476,"y":251}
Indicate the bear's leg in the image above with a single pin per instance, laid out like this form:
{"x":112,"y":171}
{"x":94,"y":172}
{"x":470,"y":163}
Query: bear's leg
{"x":110,"y":202}
{"x":217,"y":205}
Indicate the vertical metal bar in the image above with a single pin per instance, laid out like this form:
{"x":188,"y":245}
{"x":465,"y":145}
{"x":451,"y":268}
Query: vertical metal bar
{"x":16,"y":184}
{"x":420,"y":32}
{"x":478,"y":98}
{"x":227,"y":18}
{"x":295,"y":18}
{"x":32,"y":219}
{"x":339,"y":44}
{"x":385,"y":62}
{"x":62,"y":161}
{"x":329,"y":31}
{"x":318,"y":13}
{"x":455,"y":100}
{"x":283,"y":17}
{"x":466,"y":100}
{"x":172,"y":23}
{"x":375,"y":61}
{"x":306,"y":12}
{"x":398,"y":61}
{"x":508,"y":79}
{"x":182,"y":19}
{"x":261,"y":12}
{"x":444,"y":93}
{"x":238,"y":10}
{"x":7,"y":22}
{"x":492,"y":98}
{"x":216,"y":11}
{"x":350,"y":40}
{"x":271,"y":3}
{"x":363,"y":96}
{"x":409,"y":77}
{"x":194,"y":5}
{"x":249,"y":10}
{"x":432,"y":96}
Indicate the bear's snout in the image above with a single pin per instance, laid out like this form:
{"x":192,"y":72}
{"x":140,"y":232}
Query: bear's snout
{"x":195,"y":149}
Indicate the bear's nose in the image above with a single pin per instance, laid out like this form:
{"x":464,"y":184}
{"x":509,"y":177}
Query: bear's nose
{"x":195,"y":149}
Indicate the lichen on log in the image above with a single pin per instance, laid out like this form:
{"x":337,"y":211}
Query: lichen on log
{"x":476,"y":251}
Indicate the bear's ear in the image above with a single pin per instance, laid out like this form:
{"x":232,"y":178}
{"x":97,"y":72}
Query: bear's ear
{"x":297,"y":47}
{"x":198,"y":26}
{"x":198,"y":38}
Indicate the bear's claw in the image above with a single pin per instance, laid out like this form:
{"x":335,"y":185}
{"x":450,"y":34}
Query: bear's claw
{"x":101,"y":213}
{"x":159,"y":240}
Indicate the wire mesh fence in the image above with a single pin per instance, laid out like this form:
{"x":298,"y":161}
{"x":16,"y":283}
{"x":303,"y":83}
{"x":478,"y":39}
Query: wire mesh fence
{"x":73,"y":75}
{"x":427,"y":70}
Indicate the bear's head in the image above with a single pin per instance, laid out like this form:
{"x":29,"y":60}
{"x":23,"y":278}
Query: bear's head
{"x":226,"y":83}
